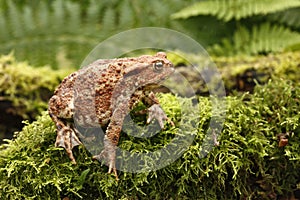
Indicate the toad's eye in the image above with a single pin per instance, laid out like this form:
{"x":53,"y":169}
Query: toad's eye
{"x":158,"y":66}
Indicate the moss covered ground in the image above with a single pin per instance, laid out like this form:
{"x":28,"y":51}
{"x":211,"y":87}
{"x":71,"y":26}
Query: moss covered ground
{"x":257,"y":155}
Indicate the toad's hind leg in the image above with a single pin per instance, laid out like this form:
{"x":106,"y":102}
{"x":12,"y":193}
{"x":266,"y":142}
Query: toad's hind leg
{"x":66,"y":136}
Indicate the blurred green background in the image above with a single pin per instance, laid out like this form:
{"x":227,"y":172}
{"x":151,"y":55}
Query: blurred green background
{"x":59,"y":33}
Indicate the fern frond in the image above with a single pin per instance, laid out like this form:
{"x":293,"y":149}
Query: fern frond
{"x":91,"y":14}
{"x":109,"y":19}
{"x":264,"y":38}
{"x":44,"y":32}
{"x":227,"y":10}
{"x":47,"y":32}
{"x":58,"y":16}
{"x":73,"y":16}
{"x":3,"y":31}
{"x":28,"y":20}
{"x":14,"y":18}
{"x":42,"y":18}
{"x":289,"y":17}
{"x":126,"y":17}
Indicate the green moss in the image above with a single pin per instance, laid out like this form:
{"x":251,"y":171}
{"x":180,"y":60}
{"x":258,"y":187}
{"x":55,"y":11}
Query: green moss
{"x":241,"y":72}
{"x":248,"y":163}
{"x":24,"y":92}
{"x":26,"y":87}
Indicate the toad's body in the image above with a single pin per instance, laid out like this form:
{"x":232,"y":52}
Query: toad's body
{"x":102,"y":94}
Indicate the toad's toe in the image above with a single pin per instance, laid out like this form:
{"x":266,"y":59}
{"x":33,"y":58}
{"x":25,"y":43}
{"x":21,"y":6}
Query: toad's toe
{"x":67,"y":139}
{"x":108,"y":155}
{"x":156,"y":112}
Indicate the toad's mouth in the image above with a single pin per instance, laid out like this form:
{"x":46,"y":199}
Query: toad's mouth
{"x":156,"y":88}
{"x":151,"y":86}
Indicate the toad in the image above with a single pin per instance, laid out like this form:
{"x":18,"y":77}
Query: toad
{"x":103,"y":93}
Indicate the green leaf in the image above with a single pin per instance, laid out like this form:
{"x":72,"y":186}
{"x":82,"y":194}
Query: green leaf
{"x":82,"y":178}
{"x":289,"y":17}
{"x":227,"y":10}
{"x":264,"y":38}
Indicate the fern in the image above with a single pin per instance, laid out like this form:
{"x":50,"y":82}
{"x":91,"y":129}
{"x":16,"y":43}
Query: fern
{"x":109,"y":19}
{"x":289,"y":17}
{"x":227,"y":10}
{"x":126,"y":17}
{"x":13,"y":15}
{"x":62,"y":32}
{"x":39,"y":33}
{"x":264,"y":38}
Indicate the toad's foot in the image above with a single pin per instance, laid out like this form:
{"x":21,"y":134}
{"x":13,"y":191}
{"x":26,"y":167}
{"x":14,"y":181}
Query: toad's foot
{"x":108,"y":154}
{"x":155,"y":111}
{"x":67,"y":139}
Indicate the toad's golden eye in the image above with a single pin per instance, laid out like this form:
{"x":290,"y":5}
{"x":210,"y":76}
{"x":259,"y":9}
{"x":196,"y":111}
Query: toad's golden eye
{"x":158,"y":66}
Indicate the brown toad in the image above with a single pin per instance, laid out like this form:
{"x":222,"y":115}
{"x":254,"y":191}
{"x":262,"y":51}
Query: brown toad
{"x":102,"y":94}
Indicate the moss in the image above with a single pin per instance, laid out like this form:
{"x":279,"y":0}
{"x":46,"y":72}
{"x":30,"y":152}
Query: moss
{"x":247,"y":163}
{"x":27,"y":87}
{"x":241,"y":72}
{"x":24,"y":91}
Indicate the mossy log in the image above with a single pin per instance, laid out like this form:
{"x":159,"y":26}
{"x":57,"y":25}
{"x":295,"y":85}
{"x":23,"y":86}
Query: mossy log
{"x":243,"y":72}
{"x":256,"y":155}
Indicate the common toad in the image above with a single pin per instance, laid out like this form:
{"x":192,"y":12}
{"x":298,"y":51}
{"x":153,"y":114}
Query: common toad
{"x":102,"y":94}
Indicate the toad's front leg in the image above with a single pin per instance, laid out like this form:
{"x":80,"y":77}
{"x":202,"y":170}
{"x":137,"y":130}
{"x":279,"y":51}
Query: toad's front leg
{"x":111,"y":140}
{"x":66,"y":136}
{"x":156,"y":112}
